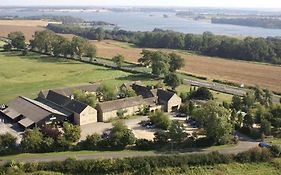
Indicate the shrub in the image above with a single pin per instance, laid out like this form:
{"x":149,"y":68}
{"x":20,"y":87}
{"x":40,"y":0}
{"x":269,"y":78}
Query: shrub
{"x":144,"y":144}
{"x":254,"y":155}
{"x":275,"y":150}
{"x":160,"y":120}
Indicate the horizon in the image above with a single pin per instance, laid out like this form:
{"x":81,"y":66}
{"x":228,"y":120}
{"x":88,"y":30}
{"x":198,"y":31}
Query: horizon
{"x":249,"y":4}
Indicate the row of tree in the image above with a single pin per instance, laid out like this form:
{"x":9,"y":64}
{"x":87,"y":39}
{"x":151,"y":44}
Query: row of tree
{"x":250,"y":49}
{"x":50,"y":43}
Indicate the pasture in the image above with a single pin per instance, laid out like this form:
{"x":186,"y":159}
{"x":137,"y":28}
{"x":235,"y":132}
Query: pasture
{"x":266,"y":76}
{"x":27,"y":75}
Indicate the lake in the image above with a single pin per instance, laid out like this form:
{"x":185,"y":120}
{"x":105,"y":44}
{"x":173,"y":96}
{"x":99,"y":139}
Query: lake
{"x":145,"y":21}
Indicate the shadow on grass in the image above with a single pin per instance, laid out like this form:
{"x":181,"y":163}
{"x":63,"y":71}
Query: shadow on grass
{"x":135,"y":77}
{"x":41,"y":57}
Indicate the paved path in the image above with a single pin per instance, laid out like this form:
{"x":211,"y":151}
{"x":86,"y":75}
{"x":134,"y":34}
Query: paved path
{"x":244,"y":144}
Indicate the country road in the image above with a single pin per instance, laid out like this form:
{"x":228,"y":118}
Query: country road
{"x":244,"y":144}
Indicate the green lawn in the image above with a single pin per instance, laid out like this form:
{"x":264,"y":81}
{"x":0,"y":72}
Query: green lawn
{"x":27,"y":75}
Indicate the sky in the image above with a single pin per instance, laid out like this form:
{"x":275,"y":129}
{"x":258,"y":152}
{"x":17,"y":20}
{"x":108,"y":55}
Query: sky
{"x":164,"y":3}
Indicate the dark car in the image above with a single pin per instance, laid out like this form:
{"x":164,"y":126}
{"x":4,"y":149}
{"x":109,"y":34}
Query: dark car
{"x":181,"y":115}
{"x":264,"y":145}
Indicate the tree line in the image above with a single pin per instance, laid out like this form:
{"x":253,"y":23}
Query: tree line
{"x":266,"y":22}
{"x":249,"y":49}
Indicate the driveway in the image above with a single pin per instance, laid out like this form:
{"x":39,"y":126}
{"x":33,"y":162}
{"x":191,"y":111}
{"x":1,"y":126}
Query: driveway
{"x":139,"y":131}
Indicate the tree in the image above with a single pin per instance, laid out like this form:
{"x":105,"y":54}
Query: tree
{"x":48,"y":144}
{"x":7,"y":143}
{"x":126,"y":92}
{"x":43,"y":41}
{"x":265,"y":127}
{"x":248,"y":101}
{"x":118,"y":60}
{"x":71,"y":133}
{"x":161,"y":137}
{"x":267,"y":97}
{"x":172,"y":80}
{"x":215,"y":121}
{"x":159,"y":68}
{"x":176,"y":62}
{"x":50,"y":131}
{"x":201,"y":93}
{"x":146,"y":58}
{"x":120,"y":136}
{"x":7,"y":47}
{"x":100,"y":33}
{"x":91,"y":51}
{"x":18,"y":40}
{"x":106,"y":93}
{"x":177,"y":132}
{"x":160,"y":120}
{"x":248,"y":121}
{"x":32,"y":140}
{"x":91,"y":142}
{"x":236,"y":103}
{"x":80,"y":46}
{"x":87,"y":98}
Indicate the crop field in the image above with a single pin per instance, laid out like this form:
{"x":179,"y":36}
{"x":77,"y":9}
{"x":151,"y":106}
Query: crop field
{"x":29,"y":74}
{"x":266,"y":76}
{"x":28,"y":31}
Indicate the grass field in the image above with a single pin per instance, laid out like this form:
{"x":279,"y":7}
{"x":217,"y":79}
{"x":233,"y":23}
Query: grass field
{"x":28,"y":75}
{"x":266,"y":76}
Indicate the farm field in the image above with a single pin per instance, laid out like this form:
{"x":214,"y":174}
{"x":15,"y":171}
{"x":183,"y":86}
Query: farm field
{"x":28,"y":75}
{"x":266,"y":76}
{"x":28,"y":31}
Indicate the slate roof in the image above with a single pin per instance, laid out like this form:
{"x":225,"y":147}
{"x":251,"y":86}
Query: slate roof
{"x":66,"y":102}
{"x":120,"y":104}
{"x":164,"y":95}
{"x":54,"y":106}
{"x":57,"y":98}
{"x":76,"y":106}
{"x":144,"y":91}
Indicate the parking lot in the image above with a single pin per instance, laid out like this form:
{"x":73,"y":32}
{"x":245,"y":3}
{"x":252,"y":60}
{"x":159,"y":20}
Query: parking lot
{"x":133,"y":124}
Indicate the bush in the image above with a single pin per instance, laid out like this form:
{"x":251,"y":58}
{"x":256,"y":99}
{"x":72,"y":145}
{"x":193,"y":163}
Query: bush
{"x":144,"y":144}
{"x":160,"y":120}
{"x":204,"y":142}
{"x":275,"y":150}
{"x":254,"y":155}
{"x":91,"y":142}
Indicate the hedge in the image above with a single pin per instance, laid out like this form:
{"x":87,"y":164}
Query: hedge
{"x":121,"y":165}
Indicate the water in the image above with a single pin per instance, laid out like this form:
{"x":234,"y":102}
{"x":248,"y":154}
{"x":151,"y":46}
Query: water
{"x":142,"y":21}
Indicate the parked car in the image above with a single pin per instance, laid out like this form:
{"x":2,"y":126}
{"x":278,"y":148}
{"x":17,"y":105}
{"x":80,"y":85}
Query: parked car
{"x":181,"y":115}
{"x":264,"y":145}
